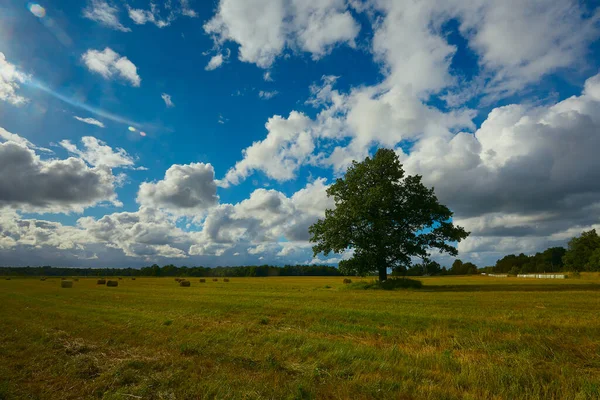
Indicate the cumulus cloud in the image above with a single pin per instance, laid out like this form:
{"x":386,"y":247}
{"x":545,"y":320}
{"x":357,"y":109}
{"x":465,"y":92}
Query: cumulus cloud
{"x":167,"y":99}
{"x":105,"y":14}
{"x":97,"y":153}
{"x":288,"y":144}
{"x":185,"y":190}
{"x":109,"y":64}
{"x":7,"y":136}
{"x":264,"y":28}
{"x":147,"y":233}
{"x":266,"y":216}
{"x":30,"y":184}
{"x":10,"y":80}
{"x":527,"y":172}
{"x":90,"y":121}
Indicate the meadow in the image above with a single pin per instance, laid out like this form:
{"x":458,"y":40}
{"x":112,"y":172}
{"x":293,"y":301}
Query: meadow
{"x":300,"y":338}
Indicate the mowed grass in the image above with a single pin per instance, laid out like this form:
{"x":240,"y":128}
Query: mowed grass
{"x":300,"y":338}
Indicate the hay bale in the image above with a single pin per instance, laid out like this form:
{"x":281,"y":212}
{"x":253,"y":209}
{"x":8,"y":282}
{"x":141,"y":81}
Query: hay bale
{"x":133,"y":279}
{"x":101,"y":282}
{"x":8,"y":279}
{"x":63,"y":279}
{"x":42,"y":279}
{"x":202,"y":280}
{"x":215,"y":279}
{"x":346,"y":280}
{"x":112,"y":283}
{"x":178,"y":279}
{"x":185,"y":283}
{"x":120,"y":279}
{"x":66,"y":284}
{"x":226,"y":280}
{"x":76,"y":279}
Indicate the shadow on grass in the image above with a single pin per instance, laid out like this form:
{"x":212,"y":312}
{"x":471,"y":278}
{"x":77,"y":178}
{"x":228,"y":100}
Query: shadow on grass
{"x":390,"y":284}
{"x":584,"y":287}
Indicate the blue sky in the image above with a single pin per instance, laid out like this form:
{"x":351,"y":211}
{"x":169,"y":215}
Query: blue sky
{"x":495,"y":104}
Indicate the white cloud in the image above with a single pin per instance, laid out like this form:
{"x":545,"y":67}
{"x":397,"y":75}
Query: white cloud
{"x":153,"y":15}
{"x":109,"y":63}
{"x":98,"y":153}
{"x":167,"y":99}
{"x":267,"y":76}
{"x":186,"y":10}
{"x":288,"y":144}
{"x":13,"y":137}
{"x":31,"y":184}
{"x":90,"y":121}
{"x":185,"y":190}
{"x":551,"y":35}
{"x":267,"y":94}
{"x":147,"y":233}
{"x":216,"y":61}
{"x":141,"y":17}
{"x":10,"y":78}
{"x":264,"y":28}
{"x":105,"y":14}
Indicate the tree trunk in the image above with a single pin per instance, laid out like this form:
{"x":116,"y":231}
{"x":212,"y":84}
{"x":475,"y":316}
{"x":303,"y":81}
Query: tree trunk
{"x":382,"y":274}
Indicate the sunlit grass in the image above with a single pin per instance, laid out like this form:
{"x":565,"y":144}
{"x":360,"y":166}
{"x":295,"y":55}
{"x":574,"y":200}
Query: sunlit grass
{"x":277,"y":338}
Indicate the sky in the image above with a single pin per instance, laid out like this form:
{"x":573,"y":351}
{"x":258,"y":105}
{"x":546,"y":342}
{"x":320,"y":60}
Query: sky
{"x":207,"y":132}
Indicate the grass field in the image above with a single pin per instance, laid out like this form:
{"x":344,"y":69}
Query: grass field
{"x":300,"y":338}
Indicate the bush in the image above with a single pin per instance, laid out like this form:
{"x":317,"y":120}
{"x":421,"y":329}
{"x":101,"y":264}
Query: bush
{"x":346,"y":280}
{"x":575,"y":274}
{"x":390,"y":284}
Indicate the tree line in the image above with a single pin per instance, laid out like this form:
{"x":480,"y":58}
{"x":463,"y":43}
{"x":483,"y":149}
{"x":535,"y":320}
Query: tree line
{"x":582,"y":254}
{"x":172,"y":270}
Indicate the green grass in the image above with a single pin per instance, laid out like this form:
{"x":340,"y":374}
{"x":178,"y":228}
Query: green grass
{"x":300,"y":338}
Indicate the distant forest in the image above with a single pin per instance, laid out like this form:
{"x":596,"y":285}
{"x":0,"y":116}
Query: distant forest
{"x":582,"y":254}
{"x":172,"y":270}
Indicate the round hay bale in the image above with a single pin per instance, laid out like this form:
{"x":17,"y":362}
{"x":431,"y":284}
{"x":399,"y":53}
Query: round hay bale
{"x":178,"y":279}
{"x":202,"y":280}
{"x":133,"y":279}
{"x":63,"y":279}
{"x":112,"y":283}
{"x":215,"y":280}
{"x":120,"y":279}
{"x":226,"y":280}
{"x":76,"y":279}
{"x":8,"y":279}
{"x":101,"y":282}
{"x":346,"y":280}
{"x":185,"y":283}
{"x":42,"y":279}
{"x":66,"y":284}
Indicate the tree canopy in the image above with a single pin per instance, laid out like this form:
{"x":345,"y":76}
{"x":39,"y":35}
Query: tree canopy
{"x":583,"y":253}
{"x":385,"y":217}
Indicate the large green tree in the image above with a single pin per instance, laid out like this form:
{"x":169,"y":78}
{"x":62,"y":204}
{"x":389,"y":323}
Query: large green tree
{"x":387,"y":218}
{"x":580,"y":254}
